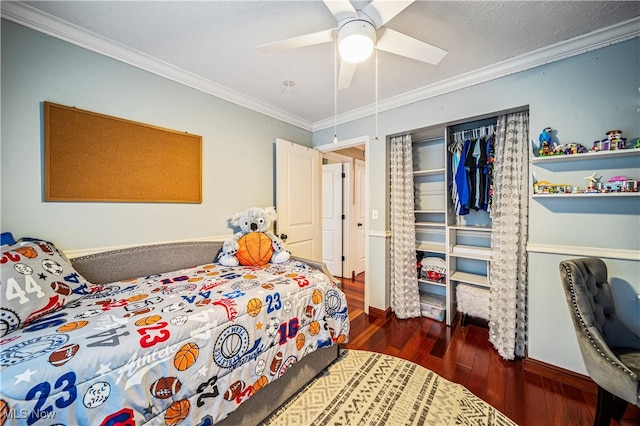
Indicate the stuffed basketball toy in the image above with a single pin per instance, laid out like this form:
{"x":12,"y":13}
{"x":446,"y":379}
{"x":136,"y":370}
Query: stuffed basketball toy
{"x":254,"y":249}
{"x":254,"y":244}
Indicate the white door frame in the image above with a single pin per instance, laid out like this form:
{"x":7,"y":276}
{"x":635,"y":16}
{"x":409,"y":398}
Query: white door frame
{"x":358,"y":217}
{"x":348,"y":143}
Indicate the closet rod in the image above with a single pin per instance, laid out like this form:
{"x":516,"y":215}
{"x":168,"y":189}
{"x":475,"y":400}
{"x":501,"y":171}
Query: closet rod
{"x":475,"y":133}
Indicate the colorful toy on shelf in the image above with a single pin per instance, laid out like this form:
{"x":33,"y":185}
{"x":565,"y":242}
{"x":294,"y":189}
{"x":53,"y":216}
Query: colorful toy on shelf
{"x":614,"y":140}
{"x":620,"y":184}
{"x":545,"y":147}
{"x":545,"y":136}
{"x":574,"y":148}
{"x":594,"y":182}
{"x":545,"y":187}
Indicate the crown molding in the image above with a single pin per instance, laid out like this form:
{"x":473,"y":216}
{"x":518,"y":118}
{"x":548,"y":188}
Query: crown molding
{"x":43,"y":22}
{"x":48,"y":24}
{"x":623,"y":31}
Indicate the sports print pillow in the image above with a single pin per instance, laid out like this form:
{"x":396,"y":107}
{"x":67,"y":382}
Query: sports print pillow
{"x":35,"y":279}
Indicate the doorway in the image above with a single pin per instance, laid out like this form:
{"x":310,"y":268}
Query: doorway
{"x":345,"y":241}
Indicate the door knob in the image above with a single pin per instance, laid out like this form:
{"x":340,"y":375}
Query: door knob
{"x":283,"y":237}
{"x":359,"y":224}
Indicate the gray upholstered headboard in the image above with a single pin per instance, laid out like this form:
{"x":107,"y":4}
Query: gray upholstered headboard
{"x":146,"y":260}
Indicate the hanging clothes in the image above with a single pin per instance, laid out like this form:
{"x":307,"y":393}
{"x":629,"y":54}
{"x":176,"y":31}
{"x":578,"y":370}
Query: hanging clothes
{"x":491,"y":144}
{"x":456,"y":151}
{"x":465,"y":179}
{"x":482,"y":175}
{"x":462,"y":182}
{"x":471,"y":164}
{"x":471,"y":170}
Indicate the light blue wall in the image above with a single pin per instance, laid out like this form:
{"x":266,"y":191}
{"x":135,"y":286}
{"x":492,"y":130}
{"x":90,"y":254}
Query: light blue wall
{"x":237,"y":146}
{"x":581,"y":97}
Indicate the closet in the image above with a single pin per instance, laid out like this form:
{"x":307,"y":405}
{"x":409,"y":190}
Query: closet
{"x":452,"y":176}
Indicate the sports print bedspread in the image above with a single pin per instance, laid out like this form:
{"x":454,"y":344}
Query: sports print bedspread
{"x":185,"y":347}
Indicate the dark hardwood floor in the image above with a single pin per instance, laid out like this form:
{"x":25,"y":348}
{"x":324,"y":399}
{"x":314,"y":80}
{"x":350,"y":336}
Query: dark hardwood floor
{"x":464,"y":355}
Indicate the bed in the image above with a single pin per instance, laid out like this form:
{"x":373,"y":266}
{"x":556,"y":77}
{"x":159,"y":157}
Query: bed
{"x":160,"y":334}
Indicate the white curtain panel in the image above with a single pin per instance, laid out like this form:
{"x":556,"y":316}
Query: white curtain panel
{"x":405,"y":294}
{"x":509,"y":216}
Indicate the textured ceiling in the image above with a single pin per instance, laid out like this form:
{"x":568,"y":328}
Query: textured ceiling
{"x":216,"y":40}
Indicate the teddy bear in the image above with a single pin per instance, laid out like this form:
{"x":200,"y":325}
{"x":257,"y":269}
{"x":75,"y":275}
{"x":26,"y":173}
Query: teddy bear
{"x":254,"y":244}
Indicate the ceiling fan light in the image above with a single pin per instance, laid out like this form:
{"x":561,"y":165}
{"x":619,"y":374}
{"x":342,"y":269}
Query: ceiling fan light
{"x":356,"y":48}
{"x":356,"y":40}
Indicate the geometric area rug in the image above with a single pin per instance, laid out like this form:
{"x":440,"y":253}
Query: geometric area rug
{"x":368,"y":388}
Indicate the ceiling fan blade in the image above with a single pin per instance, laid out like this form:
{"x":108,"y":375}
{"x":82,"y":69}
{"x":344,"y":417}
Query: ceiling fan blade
{"x":299,"y":41}
{"x":382,"y":11}
{"x":347,"y":69}
{"x":341,"y":9}
{"x":401,"y":44}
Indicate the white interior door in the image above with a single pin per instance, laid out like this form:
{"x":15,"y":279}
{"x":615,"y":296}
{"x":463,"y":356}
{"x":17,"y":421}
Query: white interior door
{"x":298,"y":199}
{"x":360,"y":215}
{"x":332,"y":217}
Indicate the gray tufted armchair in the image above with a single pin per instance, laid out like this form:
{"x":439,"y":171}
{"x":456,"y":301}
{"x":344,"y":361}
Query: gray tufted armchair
{"x":610,"y":350}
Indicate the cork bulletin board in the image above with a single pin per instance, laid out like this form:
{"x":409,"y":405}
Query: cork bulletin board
{"x":94,"y":157}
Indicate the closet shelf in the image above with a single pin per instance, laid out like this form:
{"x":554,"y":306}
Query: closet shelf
{"x":471,"y":252}
{"x":431,"y":192}
{"x":465,"y":277}
{"x":429,"y":211}
{"x":430,"y":224}
{"x":429,"y":172}
{"x":431,"y":247}
{"x":482,"y":228}
{"x":421,"y":281}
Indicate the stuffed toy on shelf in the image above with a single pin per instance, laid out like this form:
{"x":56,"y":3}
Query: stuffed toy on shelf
{"x":254,"y":244}
{"x":545,"y":147}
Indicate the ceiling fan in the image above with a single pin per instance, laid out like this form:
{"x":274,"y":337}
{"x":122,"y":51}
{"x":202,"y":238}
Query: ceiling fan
{"x":357,"y":35}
